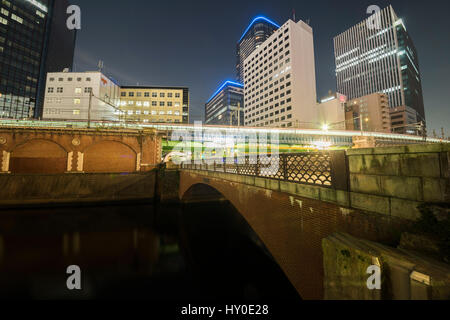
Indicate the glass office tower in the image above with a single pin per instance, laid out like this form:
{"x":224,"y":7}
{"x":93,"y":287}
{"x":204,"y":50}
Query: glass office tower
{"x":225,"y":105}
{"x":34,"y":40}
{"x":256,"y":33}
{"x":378,"y":55}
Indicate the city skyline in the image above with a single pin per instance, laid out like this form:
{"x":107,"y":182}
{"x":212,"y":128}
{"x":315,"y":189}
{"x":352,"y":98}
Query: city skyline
{"x":209,"y":54}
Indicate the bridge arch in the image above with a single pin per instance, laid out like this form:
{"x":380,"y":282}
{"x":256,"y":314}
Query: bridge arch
{"x":208,"y":201}
{"x":109,"y":156}
{"x":290,"y":227}
{"x":260,"y":209}
{"x":38,"y":156}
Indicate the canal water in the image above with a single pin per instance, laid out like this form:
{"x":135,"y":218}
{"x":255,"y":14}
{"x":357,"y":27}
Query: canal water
{"x":203,"y":252}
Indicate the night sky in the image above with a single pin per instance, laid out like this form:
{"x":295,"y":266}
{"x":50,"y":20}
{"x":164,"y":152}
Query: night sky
{"x":193,"y":43}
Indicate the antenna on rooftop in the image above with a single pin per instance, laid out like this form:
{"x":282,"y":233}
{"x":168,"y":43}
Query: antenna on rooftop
{"x":101,"y":64}
{"x":308,"y":21}
{"x":293,"y":15}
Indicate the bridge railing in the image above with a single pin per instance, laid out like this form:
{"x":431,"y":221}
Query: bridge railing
{"x":327,"y":169}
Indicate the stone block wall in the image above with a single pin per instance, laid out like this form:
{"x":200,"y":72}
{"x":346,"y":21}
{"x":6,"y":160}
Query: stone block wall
{"x":396,"y":180}
{"x":405,"y":275}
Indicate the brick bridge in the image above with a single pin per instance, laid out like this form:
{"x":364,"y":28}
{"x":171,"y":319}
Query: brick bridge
{"x":371,"y":194}
{"x":66,"y":150}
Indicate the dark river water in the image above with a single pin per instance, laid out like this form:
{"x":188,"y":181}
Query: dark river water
{"x":137,"y":251}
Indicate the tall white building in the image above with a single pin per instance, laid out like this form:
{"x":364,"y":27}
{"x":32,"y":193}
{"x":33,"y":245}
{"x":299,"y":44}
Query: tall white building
{"x":280,"y":79}
{"x":378,"y":56}
{"x":68,"y":96}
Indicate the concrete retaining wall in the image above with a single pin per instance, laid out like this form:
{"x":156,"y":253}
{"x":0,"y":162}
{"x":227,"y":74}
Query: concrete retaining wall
{"x":60,"y":188}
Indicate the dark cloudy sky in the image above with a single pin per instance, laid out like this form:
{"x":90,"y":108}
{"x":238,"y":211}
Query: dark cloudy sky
{"x":193,"y":43}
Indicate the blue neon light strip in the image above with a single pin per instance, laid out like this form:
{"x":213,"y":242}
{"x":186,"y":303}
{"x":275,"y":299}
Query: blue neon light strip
{"x":227,"y":83}
{"x":256,"y":20}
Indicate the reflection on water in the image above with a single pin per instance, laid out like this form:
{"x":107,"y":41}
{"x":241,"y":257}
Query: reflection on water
{"x":198,"y":252}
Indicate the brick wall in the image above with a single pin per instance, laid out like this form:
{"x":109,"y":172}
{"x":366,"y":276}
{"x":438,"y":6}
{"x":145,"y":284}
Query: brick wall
{"x":40,"y":151}
{"x":291,"y":225}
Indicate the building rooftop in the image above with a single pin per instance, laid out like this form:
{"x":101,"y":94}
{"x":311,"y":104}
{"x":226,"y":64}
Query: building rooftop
{"x":225,"y":84}
{"x":257,"y":19}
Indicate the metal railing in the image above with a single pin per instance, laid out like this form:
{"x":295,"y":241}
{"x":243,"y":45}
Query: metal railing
{"x":320,"y":168}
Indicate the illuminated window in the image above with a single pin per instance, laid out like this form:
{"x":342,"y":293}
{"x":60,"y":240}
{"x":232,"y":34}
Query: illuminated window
{"x":16,"y":18}
{"x":77,"y":90}
{"x":76,"y":112}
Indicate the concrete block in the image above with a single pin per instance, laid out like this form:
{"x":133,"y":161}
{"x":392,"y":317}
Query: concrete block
{"x":375,"y":164}
{"x":365,"y":184}
{"x":288,"y":187}
{"x":390,"y":150}
{"x":370,"y":203}
{"x":273,"y":184}
{"x":249,"y":180}
{"x":420,"y":165}
{"x":328,"y":195}
{"x":405,"y":209}
{"x":343,"y":198}
{"x":356,"y":152}
{"x":424,"y":148}
{"x":434,"y":190}
{"x":307,"y":191}
{"x":402,"y":187}
{"x":445,"y":164}
{"x":260,"y":182}
{"x":356,"y":164}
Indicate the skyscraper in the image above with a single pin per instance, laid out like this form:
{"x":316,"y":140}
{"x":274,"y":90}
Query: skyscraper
{"x":225,"y":104}
{"x":256,"y":33}
{"x":34,"y":40}
{"x":378,"y":55}
{"x":280,"y":79}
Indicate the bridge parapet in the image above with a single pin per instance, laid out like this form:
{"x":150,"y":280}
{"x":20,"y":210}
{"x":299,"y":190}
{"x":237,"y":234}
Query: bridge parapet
{"x":327,"y":169}
{"x":391,"y":181}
